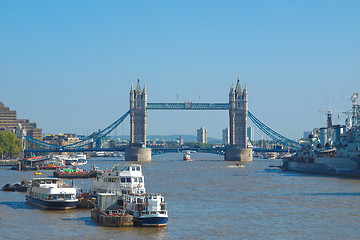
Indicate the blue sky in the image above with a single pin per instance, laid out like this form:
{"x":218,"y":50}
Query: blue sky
{"x":68,"y":65}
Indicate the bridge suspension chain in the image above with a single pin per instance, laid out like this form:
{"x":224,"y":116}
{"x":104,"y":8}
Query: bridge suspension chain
{"x":87,"y":141}
{"x":272,"y":134}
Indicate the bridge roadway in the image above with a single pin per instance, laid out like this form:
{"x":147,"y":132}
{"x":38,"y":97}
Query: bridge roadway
{"x":155,"y":150}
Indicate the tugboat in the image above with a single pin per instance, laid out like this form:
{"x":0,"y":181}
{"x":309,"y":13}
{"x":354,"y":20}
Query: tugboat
{"x":147,"y":209}
{"x":340,"y":159}
{"x":51,"y":193}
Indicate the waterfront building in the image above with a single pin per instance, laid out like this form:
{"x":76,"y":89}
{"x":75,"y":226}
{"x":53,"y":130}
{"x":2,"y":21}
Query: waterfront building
{"x":9,"y":122}
{"x":202,"y":135}
{"x":61,"y":139}
{"x":226,"y":136}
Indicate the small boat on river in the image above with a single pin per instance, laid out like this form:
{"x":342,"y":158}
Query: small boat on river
{"x":76,"y":172}
{"x":186,"y":156}
{"x":51,"y":193}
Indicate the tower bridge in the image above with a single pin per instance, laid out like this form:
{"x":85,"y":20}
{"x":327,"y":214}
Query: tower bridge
{"x":237,"y":107}
{"x":238,"y":112}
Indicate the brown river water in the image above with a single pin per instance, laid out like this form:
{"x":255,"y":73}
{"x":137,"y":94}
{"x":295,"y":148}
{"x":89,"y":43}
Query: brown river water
{"x":207,"y":198}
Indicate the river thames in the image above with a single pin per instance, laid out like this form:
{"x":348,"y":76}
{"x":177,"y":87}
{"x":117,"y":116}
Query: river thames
{"x":207,"y":198}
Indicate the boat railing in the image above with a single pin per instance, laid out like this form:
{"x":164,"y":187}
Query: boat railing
{"x":152,"y":212}
{"x":117,"y":212}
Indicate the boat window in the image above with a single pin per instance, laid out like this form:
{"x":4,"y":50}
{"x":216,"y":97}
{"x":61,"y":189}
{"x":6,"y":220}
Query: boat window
{"x":122,"y":180}
{"x":128,"y":180}
{"x":137,"y":168}
{"x":141,"y":179}
{"x":135,"y":179}
{"x":133,"y":168}
{"x":126,"y":168}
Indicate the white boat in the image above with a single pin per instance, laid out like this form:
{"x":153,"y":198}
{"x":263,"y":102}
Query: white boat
{"x":52,"y":193}
{"x":186,"y":156}
{"x":100,"y":154}
{"x":122,"y":179}
{"x":77,"y":160}
{"x":147,"y":209}
{"x":271,"y":155}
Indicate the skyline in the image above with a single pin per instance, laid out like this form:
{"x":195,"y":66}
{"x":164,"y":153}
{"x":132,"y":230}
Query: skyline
{"x":69,"y":65}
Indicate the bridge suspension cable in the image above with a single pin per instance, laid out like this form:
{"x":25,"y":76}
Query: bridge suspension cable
{"x":272,"y":134}
{"x":87,"y":141}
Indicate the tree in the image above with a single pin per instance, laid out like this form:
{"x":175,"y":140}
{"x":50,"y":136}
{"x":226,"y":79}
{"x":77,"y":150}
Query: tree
{"x":198,"y":145}
{"x":112,"y":143}
{"x":10,"y":145}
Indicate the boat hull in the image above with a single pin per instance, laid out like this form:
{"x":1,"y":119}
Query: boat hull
{"x":56,"y":205}
{"x":113,"y":220}
{"x":151,"y":221}
{"x":320,"y":168}
{"x":91,"y":174}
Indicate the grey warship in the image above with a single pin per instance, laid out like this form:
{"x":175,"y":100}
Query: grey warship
{"x":340,"y":157}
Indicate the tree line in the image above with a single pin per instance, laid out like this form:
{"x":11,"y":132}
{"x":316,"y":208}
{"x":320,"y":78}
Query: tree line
{"x":10,"y":145}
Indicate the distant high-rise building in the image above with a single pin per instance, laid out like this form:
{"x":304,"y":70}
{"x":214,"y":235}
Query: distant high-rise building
{"x":226,"y":136}
{"x":307,"y":134}
{"x":202,"y":135}
{"x":250,"y":134}
{"x":9,"y":122}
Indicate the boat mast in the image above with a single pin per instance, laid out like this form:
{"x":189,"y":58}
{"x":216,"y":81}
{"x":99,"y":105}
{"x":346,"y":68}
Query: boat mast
{"x":355,"y":98}
{"x":329,"y":127}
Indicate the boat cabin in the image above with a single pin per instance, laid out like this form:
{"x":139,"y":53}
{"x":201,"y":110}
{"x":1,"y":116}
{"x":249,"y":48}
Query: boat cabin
{"x":122,"y":179}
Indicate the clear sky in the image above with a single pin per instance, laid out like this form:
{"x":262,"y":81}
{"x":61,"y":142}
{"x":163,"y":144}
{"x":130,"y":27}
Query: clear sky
{"x":69,"y":65}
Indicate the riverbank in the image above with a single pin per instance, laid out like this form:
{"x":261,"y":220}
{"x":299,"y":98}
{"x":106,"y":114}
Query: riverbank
{"x":8,"y":162}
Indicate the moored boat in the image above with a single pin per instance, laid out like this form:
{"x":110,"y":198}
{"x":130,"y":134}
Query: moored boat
{"x":8,"y":188}
{"x":147,"y":209}
{"x":51,"y":193}
{"x":122,"y":179}
{"x":30,"y":163}
{"x":22,"y":186}
{"x":108,"y":213}
{"x":76,"y":172}
{"x":341,"y":158}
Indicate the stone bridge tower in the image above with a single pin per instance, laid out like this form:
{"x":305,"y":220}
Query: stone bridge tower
{"x":238,"y":100}
{"x":137,"y":150}
{"x":138,"y":102}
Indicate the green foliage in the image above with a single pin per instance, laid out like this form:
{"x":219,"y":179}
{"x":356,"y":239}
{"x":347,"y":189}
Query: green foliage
{"x":112,"y":143}
{"x":10,"y":145}
{"x":198,"y":145}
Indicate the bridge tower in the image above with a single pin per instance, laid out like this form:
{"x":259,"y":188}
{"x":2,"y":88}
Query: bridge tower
{"x":137,"y":150}
{"x":238,"y":101}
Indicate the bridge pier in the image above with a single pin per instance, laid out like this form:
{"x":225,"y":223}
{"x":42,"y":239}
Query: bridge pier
{"x":238,"y":100}
{"x":138,"y":154}
{"x":239,"y":154}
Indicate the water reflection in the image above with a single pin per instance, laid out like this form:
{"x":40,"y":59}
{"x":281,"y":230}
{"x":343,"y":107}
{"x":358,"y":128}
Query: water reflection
{"x":16,"y":205}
